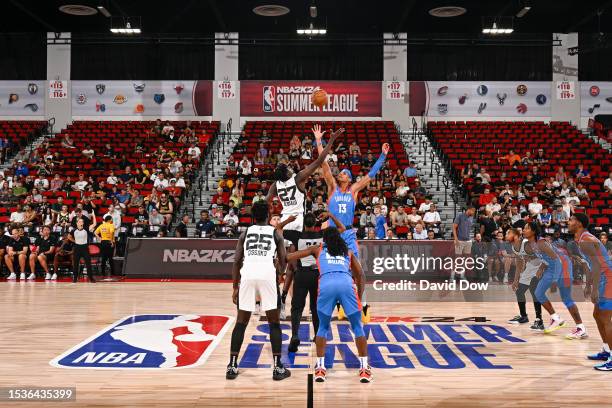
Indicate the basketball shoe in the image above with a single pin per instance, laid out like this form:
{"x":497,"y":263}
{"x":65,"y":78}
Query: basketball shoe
{"x":320,"y":374}
{"x":365,"y":314}
{"x":365,"y":375}
{"x":607,"y":366}
{"x":577,"y":334}
{"x":280,"y":373}
{"x":554,"y":325}
{"x":603,"y":355}
{"x":231,"y":373}
{"x":538,"y":325}
{"x":519,"y":320}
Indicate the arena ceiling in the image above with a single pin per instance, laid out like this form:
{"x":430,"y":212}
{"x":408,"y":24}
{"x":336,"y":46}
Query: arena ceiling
{"x":338,"y":16}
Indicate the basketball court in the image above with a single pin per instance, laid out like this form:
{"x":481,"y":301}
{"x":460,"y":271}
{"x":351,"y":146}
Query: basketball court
{"x":532,"y":369}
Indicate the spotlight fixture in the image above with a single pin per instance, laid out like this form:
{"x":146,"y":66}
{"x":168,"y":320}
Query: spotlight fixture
{"x":500,"y":25}
{"x":311,"y":31}
{"x":104,"y":11}
{"x":525,"y":9}
{"x":125,"y":26}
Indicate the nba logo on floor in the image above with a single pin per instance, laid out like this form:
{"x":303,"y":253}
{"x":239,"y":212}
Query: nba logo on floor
{"x":149,"y":341}
{"x":269,"y":99}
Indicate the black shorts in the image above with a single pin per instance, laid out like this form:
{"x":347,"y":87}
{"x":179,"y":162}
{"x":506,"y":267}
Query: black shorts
{"x":49,"y":257}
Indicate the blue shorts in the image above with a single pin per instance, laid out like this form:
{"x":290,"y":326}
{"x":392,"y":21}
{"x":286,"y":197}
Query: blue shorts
{"x":334,"y":288}
{"x":350,"y":237}
{"x":604,"y":302}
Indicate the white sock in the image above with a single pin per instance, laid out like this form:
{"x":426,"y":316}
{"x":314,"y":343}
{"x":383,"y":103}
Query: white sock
{"x":581,"y":327}
{"x":606,"y":348}
{"x":363,"y":362}
{"x":320,"y":362}
{"x":555,"y":317}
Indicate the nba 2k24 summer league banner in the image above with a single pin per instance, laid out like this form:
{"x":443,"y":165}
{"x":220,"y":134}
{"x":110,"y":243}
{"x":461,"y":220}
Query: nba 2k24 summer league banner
{"x":595,"y":98}
{"x":141,"y":98}
{"x":480,"y":99}
{"x":292,"y":98}
{"x":22,"y":98}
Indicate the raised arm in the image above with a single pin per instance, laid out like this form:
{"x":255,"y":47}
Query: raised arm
{"x":303,"y":175}
{"x":339,"y":226}
{"x":289,"y":220}
{"x":271,"y":193}
{"x":327,"y":175}
{"x":238,"y":259}
{"x":363,"y":183}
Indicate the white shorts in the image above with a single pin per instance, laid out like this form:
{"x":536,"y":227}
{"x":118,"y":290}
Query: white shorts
{"x":250,"y":288}
{"x":529,"y":273}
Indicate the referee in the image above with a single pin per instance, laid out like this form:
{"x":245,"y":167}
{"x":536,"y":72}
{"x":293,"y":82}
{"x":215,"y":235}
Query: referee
{"x":80,"y":238}
{"x":106,"y":233}
{"x":306,"y":281}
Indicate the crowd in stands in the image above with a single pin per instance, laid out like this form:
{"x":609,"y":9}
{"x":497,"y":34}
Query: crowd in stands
{"x":394,"y":206}
{"x":136,"y":173}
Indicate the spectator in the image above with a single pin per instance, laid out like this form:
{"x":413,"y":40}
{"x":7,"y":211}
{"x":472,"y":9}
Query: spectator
{"x":535,"y":207}
{"x":41,"y":183}
{"x":231,"y":222}
{"x":419,"y":232}
{"x":67,"y":142}
{"x":281,"y":157}
{"x":527,"y":160}
{"x":573,"y":198}
{"x":489,"y":225}
{"x":414,"y":218}
{"x":17,"y":216}
{"x":354,"y":149}
{"x":431,"y":235}
{"x":545,"y":220}
{"x":112,"y":179}
{"x":19,"y":191}
{"x":307,"y":152}
{"x":424,"y":207}
{"x":511,"y":158}
{"x":194,"y":152}
{"x":390,"y":234}
{"x":484,"y":176}
{"x":22,"y":169}
{"x":161,"y":181}
{"x":493,"y":206}
{"x":167,"y":130}
{"x":485,"y":198}
{"x":419,"y":190}
{"x":80,"y":184}
{"x":88,"y":151}
{"x":381,"y":223}
{"x":560,"y":218}
{"x":400,"y":218}
{"x":402,"y":190}
{"x":581,"y":172}
{"x":165,"y":208}
{"x":367,"y":219}
{"x":126,"y":177}
{"x":205,"y":227}
{"x":581,"y":192}
{"x":608,"y":183}
{"x":245,"y":169}
{"x":411,"y":170}
{"x":603,"y":237}
{"x":181,"y":229}
{"x":560,"y":175}
{"x":432,"y":218}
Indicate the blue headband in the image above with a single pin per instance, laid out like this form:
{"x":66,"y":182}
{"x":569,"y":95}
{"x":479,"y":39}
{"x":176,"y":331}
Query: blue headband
{"x":348,"y":173}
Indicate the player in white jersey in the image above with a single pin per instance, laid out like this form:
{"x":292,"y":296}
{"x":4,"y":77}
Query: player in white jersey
{"x":525,"y":279}
{"x":253,"y":273}
{"x":290,"y":189}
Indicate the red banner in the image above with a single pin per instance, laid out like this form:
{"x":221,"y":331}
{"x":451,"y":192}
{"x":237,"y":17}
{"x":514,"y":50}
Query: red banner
{"x":292,"y":98}
{"x":202,"y":98}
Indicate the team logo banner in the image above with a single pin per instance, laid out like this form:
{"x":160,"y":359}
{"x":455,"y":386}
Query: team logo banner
{"x":480,"y":99}
{"x":149,"y":341}
{"x":292,"y":98}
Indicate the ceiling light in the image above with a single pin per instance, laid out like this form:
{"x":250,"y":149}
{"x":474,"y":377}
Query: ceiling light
{"x":104,"y":11}
{"x":523,"y":11}
{"x":494,"y":29}
{"x":124,"y":26}
{"x":300,"y":31}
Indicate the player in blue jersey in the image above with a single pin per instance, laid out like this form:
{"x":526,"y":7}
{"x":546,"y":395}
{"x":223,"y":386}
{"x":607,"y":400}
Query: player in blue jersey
{"x":342,"y":196}
{"x":556,"y":269}
{"x":598,"y":286}
{"x":338,"y":269}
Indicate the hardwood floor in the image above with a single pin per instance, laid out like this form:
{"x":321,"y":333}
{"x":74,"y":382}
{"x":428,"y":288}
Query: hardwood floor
{"x":450,"y":366}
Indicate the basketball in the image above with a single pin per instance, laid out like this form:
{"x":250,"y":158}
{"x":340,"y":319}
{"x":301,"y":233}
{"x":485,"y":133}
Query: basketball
{"x":319,"y":98}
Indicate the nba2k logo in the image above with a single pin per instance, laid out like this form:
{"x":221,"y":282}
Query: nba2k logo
{"x":269,"y":99}
{"x":149,"y":341}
